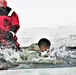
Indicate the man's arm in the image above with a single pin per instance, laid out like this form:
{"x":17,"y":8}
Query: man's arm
{"x":14,"y":23}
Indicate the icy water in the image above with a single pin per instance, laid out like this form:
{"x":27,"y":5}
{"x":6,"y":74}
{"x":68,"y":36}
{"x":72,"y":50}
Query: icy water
{"x":57,"y":37}
{"x":40,"y":66}
{"x":68,"y":62}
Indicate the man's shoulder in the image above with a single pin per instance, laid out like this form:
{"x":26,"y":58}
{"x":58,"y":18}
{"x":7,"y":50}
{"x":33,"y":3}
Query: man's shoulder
{"x":9,"y":8}
{"x":10,"y":11}
{"x":33,"y":44}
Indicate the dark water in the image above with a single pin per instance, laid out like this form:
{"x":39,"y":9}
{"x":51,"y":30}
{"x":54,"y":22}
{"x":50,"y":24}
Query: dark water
{"x":68,"y":62}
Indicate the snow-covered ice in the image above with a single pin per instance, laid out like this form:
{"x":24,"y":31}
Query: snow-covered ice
{"x":48,"y":71}
{"x":62,"y":35}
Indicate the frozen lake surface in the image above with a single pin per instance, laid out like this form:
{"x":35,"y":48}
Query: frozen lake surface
{"x":43,"y":71}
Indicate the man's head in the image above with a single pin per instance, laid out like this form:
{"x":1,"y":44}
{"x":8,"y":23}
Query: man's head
{"x":2,"y":3}
{"x":44,"y":44}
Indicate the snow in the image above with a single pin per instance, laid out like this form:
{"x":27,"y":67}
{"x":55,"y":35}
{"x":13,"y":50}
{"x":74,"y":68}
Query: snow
{"x":48,"y":71}
{"x":45,"y":13}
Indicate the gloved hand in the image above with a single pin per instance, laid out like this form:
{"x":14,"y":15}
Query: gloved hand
{"x":9,"y":36}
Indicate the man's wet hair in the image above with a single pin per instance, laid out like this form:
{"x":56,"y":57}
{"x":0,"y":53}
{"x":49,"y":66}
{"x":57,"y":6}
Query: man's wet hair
{"x":44,"y":42}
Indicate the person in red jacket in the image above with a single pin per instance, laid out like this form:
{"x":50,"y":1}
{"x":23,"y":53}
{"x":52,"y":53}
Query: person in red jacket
{"x":9,"y":23}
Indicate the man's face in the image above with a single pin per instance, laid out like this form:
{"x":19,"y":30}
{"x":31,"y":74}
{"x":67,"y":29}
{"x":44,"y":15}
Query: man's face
{"x":2,"y":2}
{"x":43,"y":48}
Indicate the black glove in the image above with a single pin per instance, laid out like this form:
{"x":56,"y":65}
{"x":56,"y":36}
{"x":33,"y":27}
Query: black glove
{"x":9,"y":36}
{"x":14,"y":28}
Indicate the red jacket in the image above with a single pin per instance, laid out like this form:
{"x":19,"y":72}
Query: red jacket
{"x":6,"y":21}
{"x":9,"y":20}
